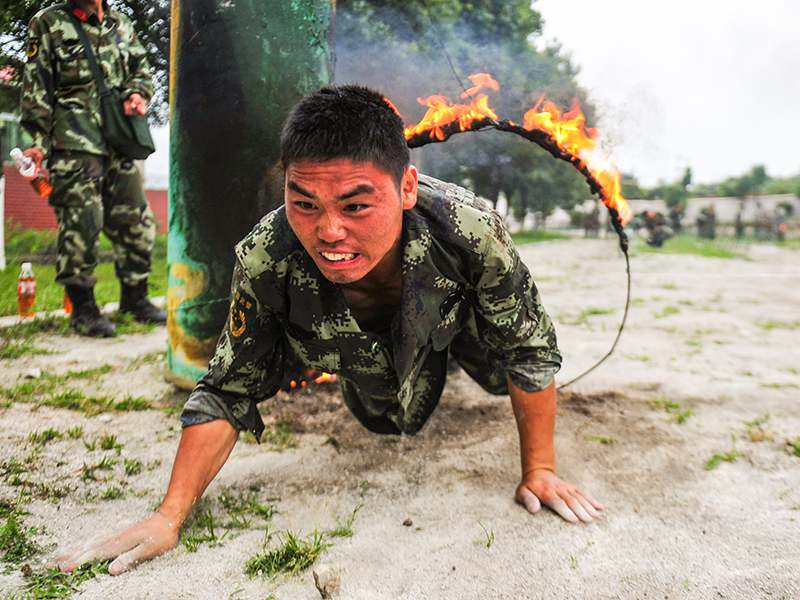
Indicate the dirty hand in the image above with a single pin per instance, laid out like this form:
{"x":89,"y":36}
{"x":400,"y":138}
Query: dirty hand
{"x":130,"y":546}
{"x":542,"y":487}
{"x":135,"y":106}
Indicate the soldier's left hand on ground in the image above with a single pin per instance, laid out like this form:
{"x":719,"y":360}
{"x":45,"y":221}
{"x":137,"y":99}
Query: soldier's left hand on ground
{"x":135,"y":106}
{"x":543,"y":487}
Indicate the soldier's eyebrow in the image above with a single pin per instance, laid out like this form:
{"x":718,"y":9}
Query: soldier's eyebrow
{"x":363,"y":188}
{"x":296,"y":188}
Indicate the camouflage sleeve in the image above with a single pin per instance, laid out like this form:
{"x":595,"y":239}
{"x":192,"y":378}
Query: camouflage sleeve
{"x":36,"y":109}
{"x":140,"y":80}
{"x":516,"y":325}
{"x":247,"y":366}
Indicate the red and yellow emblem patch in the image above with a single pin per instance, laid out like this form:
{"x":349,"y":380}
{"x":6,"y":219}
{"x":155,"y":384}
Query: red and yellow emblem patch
{"x":240,"y":307}
{"x":33,"y":47}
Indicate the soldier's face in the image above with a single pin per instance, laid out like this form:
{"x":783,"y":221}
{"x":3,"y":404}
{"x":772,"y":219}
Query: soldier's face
{"x":349,"y":216}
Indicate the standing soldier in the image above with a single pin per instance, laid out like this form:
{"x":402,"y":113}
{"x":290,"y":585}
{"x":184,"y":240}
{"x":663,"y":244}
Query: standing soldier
{"x":738,"y":223}
{"x":94,"y":188}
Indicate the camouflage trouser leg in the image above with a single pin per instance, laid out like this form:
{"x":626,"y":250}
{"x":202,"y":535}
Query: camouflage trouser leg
{"x":384,"y":415}
{"x":94,"y":193}
{"x":478,"y":360}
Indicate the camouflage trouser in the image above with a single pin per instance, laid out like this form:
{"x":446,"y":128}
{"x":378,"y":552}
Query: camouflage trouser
{"x":93,"y":193}
{"x":385,"y":415}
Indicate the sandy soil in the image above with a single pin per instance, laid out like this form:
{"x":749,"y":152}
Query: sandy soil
{"x":715,"y":336}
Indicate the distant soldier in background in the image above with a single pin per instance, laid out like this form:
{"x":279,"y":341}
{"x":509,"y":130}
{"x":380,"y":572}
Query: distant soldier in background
{"x":94,"y":188}
{"x":657,"y":229}
{"x":738,"y":223}
{"x":591,"y":222}
{"x":779,"y":218}
{"x":763,"y":225}
{"x":707,"y":223}
{"x":675,"y":217}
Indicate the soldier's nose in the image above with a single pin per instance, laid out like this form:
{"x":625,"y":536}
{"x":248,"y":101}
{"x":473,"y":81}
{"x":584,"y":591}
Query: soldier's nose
{"x":331,"y":229}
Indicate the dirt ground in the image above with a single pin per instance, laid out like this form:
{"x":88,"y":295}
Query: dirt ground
{"x":710,"y":346}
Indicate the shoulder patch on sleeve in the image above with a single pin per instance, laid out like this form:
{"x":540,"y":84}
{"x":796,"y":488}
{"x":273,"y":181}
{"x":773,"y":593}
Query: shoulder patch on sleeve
{"x":33,"y":47}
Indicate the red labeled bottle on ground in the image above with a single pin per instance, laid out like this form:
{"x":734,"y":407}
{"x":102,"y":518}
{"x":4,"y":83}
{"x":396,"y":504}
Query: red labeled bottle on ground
{"x":26,"y":291}
{"x":39,"y":178}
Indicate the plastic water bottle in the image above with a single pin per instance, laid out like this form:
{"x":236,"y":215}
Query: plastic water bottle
{"x":26,"y":291}
{"x":39,"y":178}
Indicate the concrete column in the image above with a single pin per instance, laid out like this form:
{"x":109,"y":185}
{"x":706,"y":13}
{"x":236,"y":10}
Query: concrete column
{"x":237,"y":68}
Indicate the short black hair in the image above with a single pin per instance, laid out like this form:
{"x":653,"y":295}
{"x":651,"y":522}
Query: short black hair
{"x":349,"y":121}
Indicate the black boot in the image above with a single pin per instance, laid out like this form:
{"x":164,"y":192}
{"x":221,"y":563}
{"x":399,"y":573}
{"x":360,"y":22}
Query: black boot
{"x":134,"y":300}
{"x":86,"y":318}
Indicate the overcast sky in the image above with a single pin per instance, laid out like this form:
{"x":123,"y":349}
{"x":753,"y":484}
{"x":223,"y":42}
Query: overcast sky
{"x":709,"y":84}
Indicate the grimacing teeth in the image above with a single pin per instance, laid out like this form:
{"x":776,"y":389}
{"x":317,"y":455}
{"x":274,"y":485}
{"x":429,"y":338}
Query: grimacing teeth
{"x":335,"y":256}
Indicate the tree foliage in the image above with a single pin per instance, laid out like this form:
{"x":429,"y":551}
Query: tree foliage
{"x":753,"y":183}
{"x":412,"y":50}
{"x":409,"y":49}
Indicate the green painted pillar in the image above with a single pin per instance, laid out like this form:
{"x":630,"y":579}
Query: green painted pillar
{"x":237,"y":68}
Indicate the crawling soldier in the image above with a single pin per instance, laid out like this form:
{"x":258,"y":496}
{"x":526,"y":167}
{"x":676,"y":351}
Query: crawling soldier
{"x":374,"y":273}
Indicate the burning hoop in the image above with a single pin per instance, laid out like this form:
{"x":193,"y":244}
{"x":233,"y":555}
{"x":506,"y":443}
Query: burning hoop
{"x":565,"y":136}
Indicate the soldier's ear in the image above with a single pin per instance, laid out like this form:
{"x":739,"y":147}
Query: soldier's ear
{"x":408,"y":187}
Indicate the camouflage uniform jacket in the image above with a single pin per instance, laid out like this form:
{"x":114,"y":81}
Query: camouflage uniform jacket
{"x":60,"y":104}
{"x":458,"y":260}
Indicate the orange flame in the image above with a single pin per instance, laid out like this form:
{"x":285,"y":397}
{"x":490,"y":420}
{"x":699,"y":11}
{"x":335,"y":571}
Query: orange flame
{"x":325,"y":377}
{"x":393,"y":107}
{"x":442,"y":111}
{"x":480,"y":81}
{"x":572,"y":136}
{"x":569,"y":131}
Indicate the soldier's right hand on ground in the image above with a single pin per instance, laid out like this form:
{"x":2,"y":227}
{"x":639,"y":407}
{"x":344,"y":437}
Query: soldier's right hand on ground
{"x":129,"y":546}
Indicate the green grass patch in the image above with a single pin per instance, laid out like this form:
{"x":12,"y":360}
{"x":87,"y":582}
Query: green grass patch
{"x":131,"y":404}
{"x":669,"y":310}
{"x":289,"y":555}
{"x":19,"y":241}
{"x":109,"y":442}
{"x":147,"y":359}
{"x":537,"y":235}
{"x":49,"y":294}
{"x":608,"y":441}
{"x":770,"y":325}
{"x":52,"y":583}
{"x":88,"y":373}
{"x":52,"y":390}
{"x":281,"y":437}
{"x":583,"y":316}
{"x":793,"y":447}
{"x":75,"y":433}
{"x":488,"y":536}
{"x":758,"y":429}
{"x":344,"y":527}
{"x":133,"y":466}
{"x":201,"y":528}
{"x":722,"y":247}
{"x":40,"y":438}
{"x":15,"y":539}
{"x":19,"y":339}
{"x":730,"y":456}
{"x":113,"y":493}
{"x":243,"y":507}
{"x":677,"y":413}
